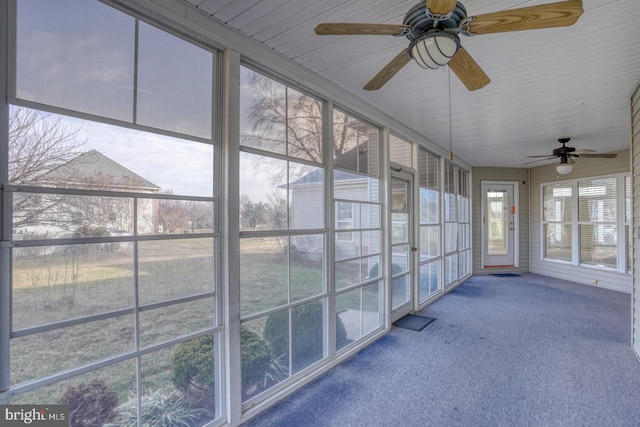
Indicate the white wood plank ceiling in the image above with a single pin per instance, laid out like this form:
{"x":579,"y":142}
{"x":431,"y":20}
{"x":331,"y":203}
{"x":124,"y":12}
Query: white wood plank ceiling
{"x":545,"y":84}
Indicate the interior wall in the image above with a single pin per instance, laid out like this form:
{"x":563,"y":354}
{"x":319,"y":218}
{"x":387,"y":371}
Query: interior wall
{"x":583,"y":168}
{"x":501,"y":174}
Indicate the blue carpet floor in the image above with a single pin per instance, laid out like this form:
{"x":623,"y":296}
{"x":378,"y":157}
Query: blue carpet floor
{"x":516,"y":351}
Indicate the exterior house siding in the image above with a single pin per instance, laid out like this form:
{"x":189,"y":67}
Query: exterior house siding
{"x":635,"y":174}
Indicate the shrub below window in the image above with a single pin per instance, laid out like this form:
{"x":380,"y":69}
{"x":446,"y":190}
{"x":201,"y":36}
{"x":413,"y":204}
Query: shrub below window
{"x":306,"y":334}
{"x":90,"y":404}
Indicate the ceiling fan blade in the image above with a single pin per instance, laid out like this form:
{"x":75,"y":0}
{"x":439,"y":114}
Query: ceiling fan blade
{"x":388,"y":71}
{"x":583,"y":151}
{"x":601,"y":156}
{"x":544,"y":155}
{"x":559,"y":14}
{"x":468,"y":70}
{"x":441,"y":6}
{"x":539,"y":160}
{"x":345,"y":28}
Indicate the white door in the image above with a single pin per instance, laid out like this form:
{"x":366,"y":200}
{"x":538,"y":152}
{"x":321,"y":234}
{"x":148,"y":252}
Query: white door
{"x":402,"y":249}
{"x":499,"y":224}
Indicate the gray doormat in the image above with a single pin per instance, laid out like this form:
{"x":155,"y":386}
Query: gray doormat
{"x":414,"y":322}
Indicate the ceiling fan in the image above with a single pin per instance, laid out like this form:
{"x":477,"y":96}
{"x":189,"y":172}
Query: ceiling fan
{"x":566,"y":155}
{"x":432,"y":27}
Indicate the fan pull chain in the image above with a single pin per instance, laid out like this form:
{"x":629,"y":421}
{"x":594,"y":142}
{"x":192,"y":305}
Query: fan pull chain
{"x":450,"y":138}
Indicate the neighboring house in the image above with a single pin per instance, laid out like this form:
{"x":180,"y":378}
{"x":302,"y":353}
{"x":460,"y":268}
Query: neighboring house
{"x":63,"y":215}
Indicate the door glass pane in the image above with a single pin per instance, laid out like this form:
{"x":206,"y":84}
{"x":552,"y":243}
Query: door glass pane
{"x":399,"y":195}
{"x":497,"y":243}
{"x":400,"y":291}
{"x":429,"y":279}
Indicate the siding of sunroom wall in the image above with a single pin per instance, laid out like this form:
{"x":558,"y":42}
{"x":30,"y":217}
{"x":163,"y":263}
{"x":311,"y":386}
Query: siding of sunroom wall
{"x":501,"y":174}
{"x":582,"y":168}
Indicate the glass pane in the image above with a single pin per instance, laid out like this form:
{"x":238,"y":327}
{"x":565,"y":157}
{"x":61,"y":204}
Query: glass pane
{"x":372,"y":303}
{"x":49,"y":150}
{"x":429,"y":242}
{"x":371,"y":267}
{"x":399,"y":195}
{"x":263,"y":195}
{"x":428,"y":170}
{"x":263,"y":112}
{"x":450,"y":206}
{"x":371,"y":242}
{"x":265,"y":353}
{"x":347,"y":215}
{"x":170,"y":216}
{"x":429,"y":279}
{"x":174,"y":83}
{"x":307,"y":334}
{"x":352,"y":186}
{"x":597,"y":200}
{"x":348,"y":273}
{"x":399,"y":227}
{"x":370,"y":215}
{"x":400,"y":151}
{"x":400,"y":291}
{"x":598,"y":245}
{"x":557,"y":202}
{"x":497,"y":223}
{"x":629,"y":248}
{"x":368,"y":156}
{"x":46,"y":353}
{"x":55,"y":283}
{"x":348,"y":245}
{"x":463,"y":236}
{"x":399,"y":259}
{"x":87,"y":50}
{"x":175,"y":268}
{"x":304,"y":126}
{"x":306,"y":197}
{"x":558,"y":241}
{"x":450,"y":269}
{"x":345,"y":141}
{"x":186,"y":318}
{"x":429,"y":206}
{"x":61,"y":216}
{"x":450,"y":237}
{"x":264,"y":275}
{"x":90,"y":395}
{"x":306,"y":264}
{"x":183,"y":378}
{"x":463,"y":263}
{"x":349,"y":309}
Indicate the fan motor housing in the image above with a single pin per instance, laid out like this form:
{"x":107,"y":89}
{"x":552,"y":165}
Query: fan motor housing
{"x":420,"y":22}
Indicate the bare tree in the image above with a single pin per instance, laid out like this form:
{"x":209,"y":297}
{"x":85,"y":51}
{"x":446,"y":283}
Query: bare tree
{"x":38,"y":143}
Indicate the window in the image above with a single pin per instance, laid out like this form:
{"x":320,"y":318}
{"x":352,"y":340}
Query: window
{"x":358,"y":253}
{"x":598,"y":222}
{"x":430,"y":229}
{"x":283,"y":295}
{"x":557,"y":221}
{"x":112,"y":234}
{"x":590,"y":238}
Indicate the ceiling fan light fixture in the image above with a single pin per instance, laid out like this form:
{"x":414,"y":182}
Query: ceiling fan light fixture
{"x":565,"y":167}
{"x":434,"y":49}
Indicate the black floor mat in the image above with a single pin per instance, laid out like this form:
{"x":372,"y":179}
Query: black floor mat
{"x":414,"y":322}
{"x":506,"y":275}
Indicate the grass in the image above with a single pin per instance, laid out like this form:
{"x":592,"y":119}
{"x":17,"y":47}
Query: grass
{"x":59,"y":286}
